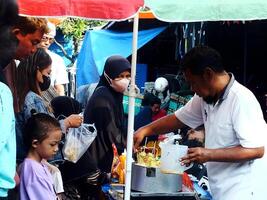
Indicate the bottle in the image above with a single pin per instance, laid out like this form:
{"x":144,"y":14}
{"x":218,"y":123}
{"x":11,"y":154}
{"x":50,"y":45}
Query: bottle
{"x":122,"y":159}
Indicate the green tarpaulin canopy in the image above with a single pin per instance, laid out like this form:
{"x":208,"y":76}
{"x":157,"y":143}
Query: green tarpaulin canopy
{"x":208,"y":10}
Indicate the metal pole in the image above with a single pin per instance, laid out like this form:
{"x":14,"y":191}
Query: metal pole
{"x":132,"y":93}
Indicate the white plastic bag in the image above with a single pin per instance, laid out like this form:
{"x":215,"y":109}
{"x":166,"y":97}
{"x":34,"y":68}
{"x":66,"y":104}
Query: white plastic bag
{"x":77,"y":141}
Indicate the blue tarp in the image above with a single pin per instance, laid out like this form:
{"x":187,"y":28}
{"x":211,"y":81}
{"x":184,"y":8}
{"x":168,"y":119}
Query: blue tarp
{"x":98,"y":45}
{"x":67,"y":45}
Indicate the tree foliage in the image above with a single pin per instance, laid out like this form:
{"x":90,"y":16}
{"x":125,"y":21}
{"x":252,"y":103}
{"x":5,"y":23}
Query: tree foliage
{"x":74,"y":29}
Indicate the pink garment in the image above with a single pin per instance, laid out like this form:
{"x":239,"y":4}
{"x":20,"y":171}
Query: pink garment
{"x":160,"y":114}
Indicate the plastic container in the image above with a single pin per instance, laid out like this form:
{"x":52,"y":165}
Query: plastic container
{"x":170,"y":158}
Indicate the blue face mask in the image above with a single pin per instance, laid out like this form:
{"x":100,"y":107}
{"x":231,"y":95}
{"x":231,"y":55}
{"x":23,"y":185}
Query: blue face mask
{"x":46,"y":83}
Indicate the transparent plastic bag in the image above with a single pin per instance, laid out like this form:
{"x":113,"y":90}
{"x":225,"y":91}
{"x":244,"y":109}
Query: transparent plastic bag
{"x":77,"y":141}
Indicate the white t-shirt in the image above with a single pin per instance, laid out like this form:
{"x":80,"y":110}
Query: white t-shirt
{"x":59,"y":75}
{"x":236,"y":119}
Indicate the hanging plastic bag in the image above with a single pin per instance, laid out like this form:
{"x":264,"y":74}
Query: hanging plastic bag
{"x":77,"y":141}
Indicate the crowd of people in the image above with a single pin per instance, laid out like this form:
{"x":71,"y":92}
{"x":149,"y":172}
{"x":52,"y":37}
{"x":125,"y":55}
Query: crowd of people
{"x":25,"y":74}
{"x":34,"y":117}
{"x":31,"y":99}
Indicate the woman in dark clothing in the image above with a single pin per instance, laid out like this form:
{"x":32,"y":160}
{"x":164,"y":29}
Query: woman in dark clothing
{"x":105,"y":110}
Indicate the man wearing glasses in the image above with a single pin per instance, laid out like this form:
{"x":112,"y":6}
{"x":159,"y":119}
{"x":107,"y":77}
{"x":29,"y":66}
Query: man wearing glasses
{"x":59,"y":75}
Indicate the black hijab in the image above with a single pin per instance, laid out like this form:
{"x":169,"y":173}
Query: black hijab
{"x":114,"y":66}
{"x":105,"y":110}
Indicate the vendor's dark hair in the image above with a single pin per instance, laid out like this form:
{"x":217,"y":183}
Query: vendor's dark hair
{"x":201,"y":57}
{"x":37,"y":128}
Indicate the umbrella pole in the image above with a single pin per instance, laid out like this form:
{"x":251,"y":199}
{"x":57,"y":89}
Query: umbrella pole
{"x":132,"y":93}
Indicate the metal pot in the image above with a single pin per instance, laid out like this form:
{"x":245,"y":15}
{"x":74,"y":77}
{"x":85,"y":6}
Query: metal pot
{"x":151,"y":180}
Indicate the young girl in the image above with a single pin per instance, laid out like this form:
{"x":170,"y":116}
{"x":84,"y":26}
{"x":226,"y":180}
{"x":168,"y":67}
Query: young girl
{"x":42,"y":134}
{"x":33,"y":77}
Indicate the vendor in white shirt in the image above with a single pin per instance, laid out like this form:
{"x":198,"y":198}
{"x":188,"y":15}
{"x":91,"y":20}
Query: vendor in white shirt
{"x":235,"y":130}
{"x":59,"y":75}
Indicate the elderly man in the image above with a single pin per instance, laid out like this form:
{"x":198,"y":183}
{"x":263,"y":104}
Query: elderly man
{"x":59,"y":75}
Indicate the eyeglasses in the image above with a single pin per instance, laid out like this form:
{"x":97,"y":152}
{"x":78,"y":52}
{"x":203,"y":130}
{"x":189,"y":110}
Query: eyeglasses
{"x":45,"y":39}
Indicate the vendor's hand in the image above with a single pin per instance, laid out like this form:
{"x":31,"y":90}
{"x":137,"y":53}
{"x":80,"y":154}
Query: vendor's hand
{"x":73,"y":121}
{"x":138,"y":137}
{"x":198,"y":154}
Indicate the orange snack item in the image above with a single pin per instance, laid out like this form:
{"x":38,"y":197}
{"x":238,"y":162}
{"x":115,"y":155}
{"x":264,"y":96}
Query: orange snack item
{"x":122,"y":166}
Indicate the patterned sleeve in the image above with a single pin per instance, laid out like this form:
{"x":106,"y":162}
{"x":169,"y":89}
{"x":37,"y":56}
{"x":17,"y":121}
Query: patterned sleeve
{"x":33,"y":101}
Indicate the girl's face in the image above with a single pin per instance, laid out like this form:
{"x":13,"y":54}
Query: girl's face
{"x":45,"y":72}
{"x":48,"y":148}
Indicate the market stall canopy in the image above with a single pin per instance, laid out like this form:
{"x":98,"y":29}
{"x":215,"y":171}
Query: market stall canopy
{"x":208,"y":10}
{"x":92,"y":57}
{"x":91,"y":9}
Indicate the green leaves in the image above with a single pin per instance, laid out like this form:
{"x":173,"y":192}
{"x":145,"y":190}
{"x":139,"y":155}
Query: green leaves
{"x":74,"y":28}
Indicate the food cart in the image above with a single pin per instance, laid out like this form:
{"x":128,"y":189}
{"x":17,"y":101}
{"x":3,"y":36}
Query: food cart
{"x":169,"y":11}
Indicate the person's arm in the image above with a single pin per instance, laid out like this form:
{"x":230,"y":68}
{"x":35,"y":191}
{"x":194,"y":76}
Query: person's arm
{"x":34,"y":102}
{"x":7,"y":120}
{"x":60,"y":89}
{"x":233,"y":154}
{"x":163,"y":125}
{"x":73,"y":121}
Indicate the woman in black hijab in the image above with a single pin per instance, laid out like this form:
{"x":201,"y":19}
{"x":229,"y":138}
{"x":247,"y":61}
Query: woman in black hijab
{"x":105,"y":110}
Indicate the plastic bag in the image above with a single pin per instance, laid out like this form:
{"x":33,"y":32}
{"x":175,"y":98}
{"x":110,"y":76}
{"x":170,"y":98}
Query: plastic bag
{"x":77,"y":141}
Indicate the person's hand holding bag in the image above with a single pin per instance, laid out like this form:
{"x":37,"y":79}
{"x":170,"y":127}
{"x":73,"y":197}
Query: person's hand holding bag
{"x":73,"y":121}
